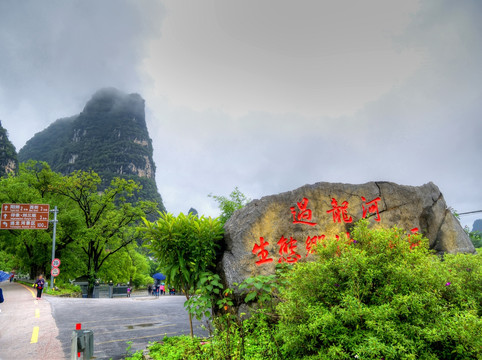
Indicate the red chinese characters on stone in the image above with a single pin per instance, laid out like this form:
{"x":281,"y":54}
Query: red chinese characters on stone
{"x":370,"y":208}
{"x":262,"y":253}
{"x":311,"y":241}
{"x":303,"y":215}
{"x":340,"y":212}
{"x":288,"y":248}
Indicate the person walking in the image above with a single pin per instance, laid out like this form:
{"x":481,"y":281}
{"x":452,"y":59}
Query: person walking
{"x":39,"y":284}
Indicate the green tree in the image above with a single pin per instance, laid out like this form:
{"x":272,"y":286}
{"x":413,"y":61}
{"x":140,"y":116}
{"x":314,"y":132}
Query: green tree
{"x":127,"y":266}
{"x":228,"y":205}
{"x":103,"y":223}
{"x":475,"y":237}
{"x":93,"y":227}
{"x":31,"y":248}
{"x":185,"y":247}
{"x":7,"y":261}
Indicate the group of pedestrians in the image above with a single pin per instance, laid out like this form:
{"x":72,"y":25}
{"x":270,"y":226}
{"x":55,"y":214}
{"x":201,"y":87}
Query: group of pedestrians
{"x":156,"y":290}
{"x":159,"y":289}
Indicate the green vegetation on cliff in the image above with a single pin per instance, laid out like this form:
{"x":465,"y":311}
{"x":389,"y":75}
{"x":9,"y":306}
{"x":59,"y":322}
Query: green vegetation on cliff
{"x":8,"y":154}
{"x":109,"y":136}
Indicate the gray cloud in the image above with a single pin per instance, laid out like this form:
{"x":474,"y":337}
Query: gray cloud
{"x":55,"y":54}
{"x":423,"y":128}
{"x":267,"y":96}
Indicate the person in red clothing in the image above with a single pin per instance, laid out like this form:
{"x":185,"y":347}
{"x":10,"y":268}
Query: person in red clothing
{"x":39,"y":284}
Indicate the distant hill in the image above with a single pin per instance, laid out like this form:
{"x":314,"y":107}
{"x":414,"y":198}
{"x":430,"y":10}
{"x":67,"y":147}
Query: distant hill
{"x":477,"y":225}
{"x":8,"y":154}
{"x":109,"y":136}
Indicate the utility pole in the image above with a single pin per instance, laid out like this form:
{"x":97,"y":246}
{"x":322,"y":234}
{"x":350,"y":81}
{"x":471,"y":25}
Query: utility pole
{"x":54,"y":221}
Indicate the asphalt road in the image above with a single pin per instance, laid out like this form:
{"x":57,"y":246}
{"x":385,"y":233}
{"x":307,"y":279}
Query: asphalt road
{"x":27,"y":328}
{"x":118,"y":322}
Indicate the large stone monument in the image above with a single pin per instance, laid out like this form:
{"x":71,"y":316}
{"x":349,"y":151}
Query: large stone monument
{"x":284,"y":227}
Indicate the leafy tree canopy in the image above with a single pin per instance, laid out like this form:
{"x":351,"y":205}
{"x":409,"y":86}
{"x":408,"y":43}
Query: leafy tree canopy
{"x":94,"y":227}
{"x":106,"y":218}
{"x":229,"y":204}
{"x":185,"y":247}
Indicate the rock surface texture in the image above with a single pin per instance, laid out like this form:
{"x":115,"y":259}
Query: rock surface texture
{"x":280,"y":228}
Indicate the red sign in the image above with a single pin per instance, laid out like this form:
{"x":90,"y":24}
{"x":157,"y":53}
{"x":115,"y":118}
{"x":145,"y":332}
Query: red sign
{"x":25,"y":216}
{"x":55,"y":271}
{"x":55,"y":263}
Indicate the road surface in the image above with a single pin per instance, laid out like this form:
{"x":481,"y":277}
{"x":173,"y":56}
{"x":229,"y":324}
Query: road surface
{"x":116,"y":323}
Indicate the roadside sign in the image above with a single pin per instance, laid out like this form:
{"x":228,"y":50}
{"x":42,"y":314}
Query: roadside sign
{"x":55,"y":263}
{"x":25,"y":216}
{"x":55,"y":271}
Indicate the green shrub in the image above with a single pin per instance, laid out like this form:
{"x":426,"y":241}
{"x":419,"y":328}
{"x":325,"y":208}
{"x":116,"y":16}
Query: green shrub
{"x":64,"y":289}
{"x":251,"y":339}
{"x":382,"y":295}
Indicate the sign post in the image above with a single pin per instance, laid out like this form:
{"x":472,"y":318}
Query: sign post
{"x":54,"y":260}
{"x":31,"y":217}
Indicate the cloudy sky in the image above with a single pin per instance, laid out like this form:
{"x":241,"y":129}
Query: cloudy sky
{"x":264,"y":95}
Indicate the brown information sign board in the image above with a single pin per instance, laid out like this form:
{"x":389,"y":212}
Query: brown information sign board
{"x":25,"y":216}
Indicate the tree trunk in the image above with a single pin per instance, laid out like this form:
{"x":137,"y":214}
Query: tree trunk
{"x":90,"y":292}
{"x":36,"y":270}
{"x":190,"y":325}
{"x":190,"y":318}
